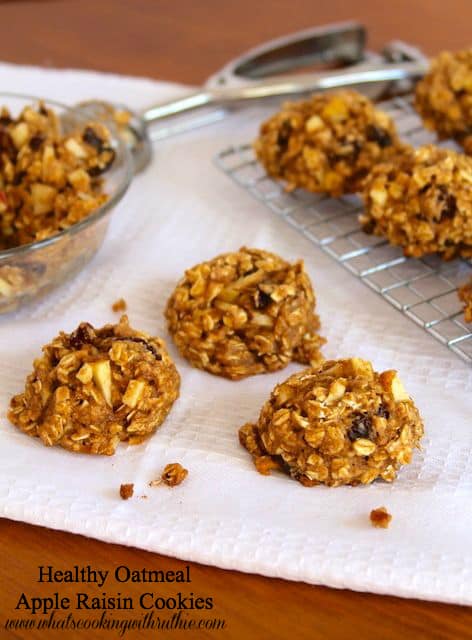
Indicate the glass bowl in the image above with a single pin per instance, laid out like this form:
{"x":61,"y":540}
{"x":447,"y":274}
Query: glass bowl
{"x":32,"y":270}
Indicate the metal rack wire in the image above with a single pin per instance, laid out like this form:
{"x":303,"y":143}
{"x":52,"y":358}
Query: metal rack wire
{"x":425,"y":290}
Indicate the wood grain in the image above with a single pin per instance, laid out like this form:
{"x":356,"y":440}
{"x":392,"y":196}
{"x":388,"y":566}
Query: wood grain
{"x":186,"y":41}
{"x":252,"y":606}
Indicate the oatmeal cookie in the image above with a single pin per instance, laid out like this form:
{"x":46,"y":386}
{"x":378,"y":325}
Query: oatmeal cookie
{"x":422,"y":202}
{"x":444,"y":97}
{"x":326,"y":144}
{"x":465,"y":296}
{"x":245,"y":313}
{"x":93,"y":388}
{"x":342,"y":423}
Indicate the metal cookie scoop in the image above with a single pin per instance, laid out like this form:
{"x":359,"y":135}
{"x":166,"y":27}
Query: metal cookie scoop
{"x":262,"y":73}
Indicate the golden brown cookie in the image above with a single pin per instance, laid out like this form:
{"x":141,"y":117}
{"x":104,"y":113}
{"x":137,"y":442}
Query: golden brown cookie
{"x":342,"y":423}
{"x":444,"y":97}
{"x":93,"y":388}
{"x":245,"y":313}
{"x":422,"y":201}
{"x":326,"y":144}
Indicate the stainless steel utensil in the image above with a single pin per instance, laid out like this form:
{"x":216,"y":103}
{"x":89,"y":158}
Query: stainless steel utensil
{"x":261,"y":74}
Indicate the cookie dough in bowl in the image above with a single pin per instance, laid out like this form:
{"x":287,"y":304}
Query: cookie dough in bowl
{"x":340,"y":424}
{"x":61,"y":175}
{"x":245,"y":313}
{"x":326,"y":144}
{"x":93,"y":388}
{"x":444,"y":97}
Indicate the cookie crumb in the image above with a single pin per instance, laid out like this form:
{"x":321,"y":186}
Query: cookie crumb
{"x":173,"y":474}
{"x":119,"y":306}
{"x":380,"y":518}
{"x":126,"y":491}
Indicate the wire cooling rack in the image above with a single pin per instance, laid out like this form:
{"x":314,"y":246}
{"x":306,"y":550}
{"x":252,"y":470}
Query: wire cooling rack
{"x":425,"y":290}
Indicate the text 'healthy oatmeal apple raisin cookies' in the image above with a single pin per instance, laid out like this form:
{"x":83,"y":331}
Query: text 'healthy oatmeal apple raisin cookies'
{"x":245,"y":313}
{"x":326,"y":144}
{"x":93,"y":388}
{"x":422,"y":202}
{"x":340,"y":424}
{"x":444,"y":97}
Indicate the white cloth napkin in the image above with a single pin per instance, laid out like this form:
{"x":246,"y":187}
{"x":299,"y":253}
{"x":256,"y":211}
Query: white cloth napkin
{"x":181,"y":211}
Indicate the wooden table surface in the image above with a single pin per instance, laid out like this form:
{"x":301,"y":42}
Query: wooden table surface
{"x":186,"y":40}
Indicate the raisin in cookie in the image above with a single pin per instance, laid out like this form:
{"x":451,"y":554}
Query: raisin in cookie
{"x":327,"y":143}
{"x":93,"y":388}
{"x":245,"y":313}
{"x":340,"y":424}
{"x":444,"y":97}
{"x":422,"y":202}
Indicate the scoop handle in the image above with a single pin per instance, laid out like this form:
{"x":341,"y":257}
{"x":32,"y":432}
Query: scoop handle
{"x":286,"y":86}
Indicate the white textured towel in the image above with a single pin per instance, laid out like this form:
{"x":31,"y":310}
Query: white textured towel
{"x":181,"y":211}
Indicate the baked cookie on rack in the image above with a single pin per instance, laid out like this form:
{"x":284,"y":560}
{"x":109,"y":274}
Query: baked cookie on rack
{"x":339,"y":424}
{"x":443,"y":97}
{"x":326,"y":144}
{"x":422,"y":201}
{"x":245,"y":313}
{"x":93,"y":388}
